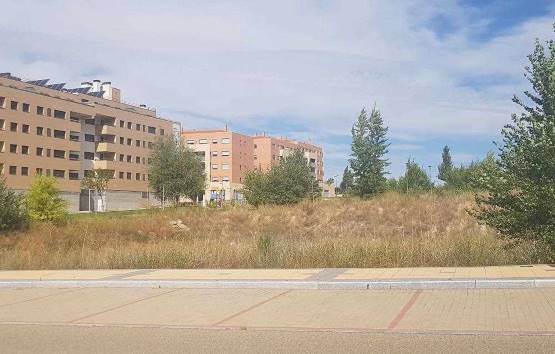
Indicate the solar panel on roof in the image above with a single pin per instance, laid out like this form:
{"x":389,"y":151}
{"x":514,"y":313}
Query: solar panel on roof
{"x":38,"y":82}
{"x":97,"y":94}
{"x":56,"y":86}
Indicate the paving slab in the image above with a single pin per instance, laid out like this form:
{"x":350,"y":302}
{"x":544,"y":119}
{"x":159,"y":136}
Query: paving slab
{"x":11,"y":296}
{"x":73,"y":304}
{"x":227,"y":274}
{"x":190,"y":307}
{"x":326,"y":309}
{"x":499,"y":310}
{"x":84,"y":274}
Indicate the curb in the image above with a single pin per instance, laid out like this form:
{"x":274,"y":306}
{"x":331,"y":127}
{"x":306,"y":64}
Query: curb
{"x":287,"y":284}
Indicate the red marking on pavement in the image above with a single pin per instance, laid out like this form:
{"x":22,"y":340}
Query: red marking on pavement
{"x":404,"y":310}
{"x":251,"y":308}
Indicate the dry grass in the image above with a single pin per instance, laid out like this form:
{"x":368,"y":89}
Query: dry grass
{"x":389,"y":231}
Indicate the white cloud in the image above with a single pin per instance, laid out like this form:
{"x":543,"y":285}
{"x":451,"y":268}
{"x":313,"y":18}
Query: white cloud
{"x":313,"y":64}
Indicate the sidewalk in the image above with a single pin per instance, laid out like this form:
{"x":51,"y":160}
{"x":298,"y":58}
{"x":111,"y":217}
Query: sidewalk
{"x":524,"y":276}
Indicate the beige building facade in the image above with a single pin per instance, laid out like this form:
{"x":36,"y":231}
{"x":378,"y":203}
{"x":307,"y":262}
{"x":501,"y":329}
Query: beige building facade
{"x":65,"y":133}
{"x":227,"y":157}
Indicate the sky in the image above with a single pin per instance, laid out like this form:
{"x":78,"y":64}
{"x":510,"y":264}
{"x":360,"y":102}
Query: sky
{"x":441,"y":72}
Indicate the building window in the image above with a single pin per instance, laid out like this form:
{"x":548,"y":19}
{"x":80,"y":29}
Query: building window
{"x":121,"y":140}
{"x":225,"y":166}
{"x":203,"y":141}
{"x":225,"y":141}
{"x":25,"y":150}
{"x":13,"y":105}
{"x":121,"y":125}
{"x":38,"y":171}
{"x":89,"y":121}
{"x":215,"y":179}
{"x":162,"y":132}
{"x":128,"y":175}
{"x":59,"y":114}
{"x":121,"y":175}
{"x":121,"y":157}
{"x":60,"y":134}
{"x":40,"y":110}
{"x":73,"y":175}
{"x":26,"y":108}
{"x":39,"y":151}
{"x":214,"y":166}
{"x":150,"y":145}
{"x":13,"y":148}
{"x":48,"y":113}
{"x":25,"y":128}
{"x":74,"y":155}
{"x":129,"y":141}
{"x":25,"y":171}
{"x":87,"y":155}
{"x":190,"y":142}
{"x":225,"y":179}
{"x":2,"y":102}
{"x":2,"y":144}
{"x":89,"y":138}
{"x":144,"y":195}
{"x":40,"y":130}
{"x":13,"y":170}
{"x":48,"y":152}
{"x":138,"y":127}
{"x":2,"y":124}
{"x":137,"y":176}
{"x":129,"y":124}
{"x":214,"y":153}
{"x":48,"y":132}
{"x":128,"y":158}
{"x":73,"y":119}
{"x":74,"y":136}
{"x":59,"y":173}
{"x":151,"y":130}
{"x":144,"y":144}
{"x":225,"y":153}
{"x":13,"y":127}
{"x":137,"y":159}
{"x":214,"y":141}
{"x":137,"y":143}
{"x":59,"y":154}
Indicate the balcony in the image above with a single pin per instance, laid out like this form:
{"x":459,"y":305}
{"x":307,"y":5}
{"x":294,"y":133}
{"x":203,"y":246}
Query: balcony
{"x":106,"y":130}
{"x":105,"y":147}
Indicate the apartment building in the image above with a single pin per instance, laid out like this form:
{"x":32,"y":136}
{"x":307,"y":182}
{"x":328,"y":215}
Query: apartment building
{"x":47,"y":129}
{"x":269,"y":151}
{"x":227,"y":157}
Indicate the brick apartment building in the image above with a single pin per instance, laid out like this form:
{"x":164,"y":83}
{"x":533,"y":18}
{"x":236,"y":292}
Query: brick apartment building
{"x":228,"y":156}
{"x":50,"y":130}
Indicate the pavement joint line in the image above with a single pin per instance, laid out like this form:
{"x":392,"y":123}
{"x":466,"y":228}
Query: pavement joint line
{"x":251,"y":308}
{"x":406,"y":308}
{"x":429,"y":332}
{"x":122,"y":305}
{"x":65,"y":291}
{"x":128,"y":274}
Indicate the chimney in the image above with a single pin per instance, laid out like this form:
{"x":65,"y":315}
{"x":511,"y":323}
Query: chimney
{"x":96,"y":86}
{"x":107,"y":88}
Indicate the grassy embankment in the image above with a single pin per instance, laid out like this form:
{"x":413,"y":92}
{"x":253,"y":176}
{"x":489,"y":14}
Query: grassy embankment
{"x":390,"y":231}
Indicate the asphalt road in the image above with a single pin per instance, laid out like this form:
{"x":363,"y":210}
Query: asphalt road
{"x":279,"y":321}
{"x":87,"y":339}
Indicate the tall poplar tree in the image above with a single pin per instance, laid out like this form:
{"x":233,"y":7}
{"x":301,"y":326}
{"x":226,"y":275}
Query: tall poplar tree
{"x":520,"y":184}
{"x":346,"y":181}
{"x":369,"y":148}
{"x":446,"y":166}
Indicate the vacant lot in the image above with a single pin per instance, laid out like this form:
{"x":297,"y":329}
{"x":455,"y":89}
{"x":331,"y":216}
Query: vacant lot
{"x":390,"y":231}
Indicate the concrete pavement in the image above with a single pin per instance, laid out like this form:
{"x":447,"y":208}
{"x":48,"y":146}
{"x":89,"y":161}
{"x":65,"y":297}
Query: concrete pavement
{"x":520,"y":276}
{"x":276,"y":320}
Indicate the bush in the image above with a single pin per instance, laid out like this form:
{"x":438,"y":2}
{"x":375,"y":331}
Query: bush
{"x":12,"y":209}
{"x":287,"y":183}
{"x":44,"y":202}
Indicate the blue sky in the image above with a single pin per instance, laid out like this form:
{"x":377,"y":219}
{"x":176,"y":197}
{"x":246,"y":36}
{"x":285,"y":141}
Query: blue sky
{"x":441,"y":71}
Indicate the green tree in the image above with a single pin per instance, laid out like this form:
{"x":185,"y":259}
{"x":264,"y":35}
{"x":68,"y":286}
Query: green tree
{"x":520,"y":185}
{"x":414,"y":180}
{"x":287,"y":183}
{"x":97,"y":180}
{"x":369,"y":147}
{"x":346,"y":181}
{"x":44,"y":202}
{"x":446,"y":166}
{"x":175,"y":170}
{"x":12,"y":209}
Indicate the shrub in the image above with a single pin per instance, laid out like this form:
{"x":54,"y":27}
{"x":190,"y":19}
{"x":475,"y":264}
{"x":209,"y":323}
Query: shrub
{"x":44,"y":202}
{"x":12,"y":209}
